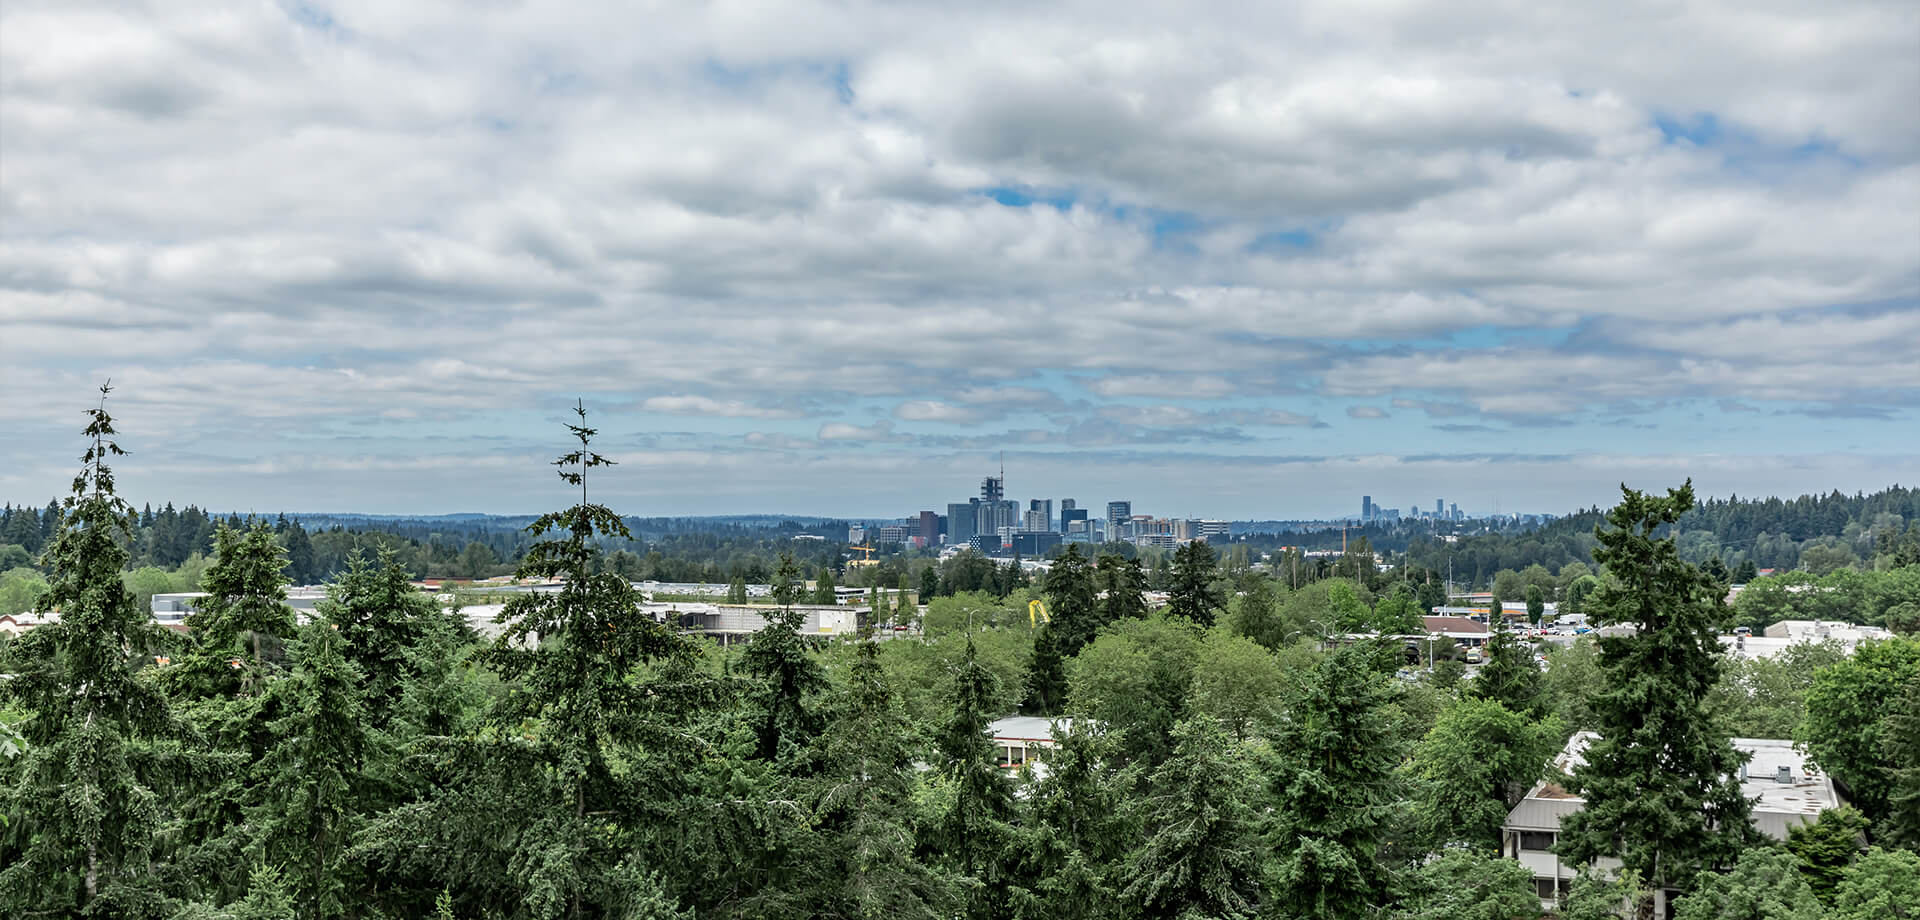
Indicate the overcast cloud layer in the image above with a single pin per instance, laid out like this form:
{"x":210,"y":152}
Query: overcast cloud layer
{"x":1222,"y":260}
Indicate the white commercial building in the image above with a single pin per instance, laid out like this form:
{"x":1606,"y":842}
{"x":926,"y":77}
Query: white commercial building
{"x":1785,"y":792}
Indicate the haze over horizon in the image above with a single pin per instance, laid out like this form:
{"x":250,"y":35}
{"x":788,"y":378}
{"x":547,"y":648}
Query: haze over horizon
{"x":834,"y":258}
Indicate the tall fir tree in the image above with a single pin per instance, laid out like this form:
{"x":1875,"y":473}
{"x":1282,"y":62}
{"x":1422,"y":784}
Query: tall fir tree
{"x":865,"y":802}
{"x":1192,"y":593}
{"x":788,"y":675}
{"x":316,"y":775}
{"x":1900,"y":746}
{"x":1071,"y":601}
{"x":1661,"y":782}
{"x":1077,"y":830}
{"x":246,"y":605}
{"x":81,"y":807}
{"x":1046,"y":674}
{"x":1335,"y":786}
{"x":562,"y":804}
{"x":381,"y":619}
{"x":1202,"y":856}
{"x":1509,"y":676}
{"x":971,"y":831}
{"x":1124,"y":585}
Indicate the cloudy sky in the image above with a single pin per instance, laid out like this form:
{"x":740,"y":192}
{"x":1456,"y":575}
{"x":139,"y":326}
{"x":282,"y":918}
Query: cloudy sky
{"x":1239,"y":260}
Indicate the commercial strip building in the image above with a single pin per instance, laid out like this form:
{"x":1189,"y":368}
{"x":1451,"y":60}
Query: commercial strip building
{"x":1785,"y":791}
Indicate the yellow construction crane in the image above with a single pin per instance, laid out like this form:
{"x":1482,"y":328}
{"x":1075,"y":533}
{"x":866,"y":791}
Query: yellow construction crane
{"x":1037,"y":614}
{"x":864,"y":560}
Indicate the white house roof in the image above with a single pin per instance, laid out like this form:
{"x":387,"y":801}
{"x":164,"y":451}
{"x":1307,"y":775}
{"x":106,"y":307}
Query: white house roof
{"x":1027,"y":728}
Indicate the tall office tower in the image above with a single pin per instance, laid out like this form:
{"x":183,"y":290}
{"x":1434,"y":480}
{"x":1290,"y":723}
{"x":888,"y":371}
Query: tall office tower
{"x":1068,"y":504}
{"x":1118,"y":514}
{"x":929,"y":528}
{"x":961,"y":522}
{"x":1045,"y":507}
{"x":1035,"y":521}
{"x":1366,"y":508}
{"x":1439,"y":510}
{"x":993,"y":488}
{"x":1453,"y":512}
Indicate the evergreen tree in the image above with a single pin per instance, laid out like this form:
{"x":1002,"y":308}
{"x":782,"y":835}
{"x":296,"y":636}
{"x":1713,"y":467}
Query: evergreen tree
{"x":1202,"y":856}
{"x":81,"y":807}
{"x":1125,"y":584}
{"x":1882,"y":884}
{"x":929,"y":583}
{"x":1661,"y":783}
{"x":823,"y":586}
{"x":1460,"y":885}
{"x":381,"y":619}
{"x":1900,"y":746}
{"x":1046,"y":674}
{"x":1192,"y":593}
{"x":315,"y":776}
{"x":1762,"y":886}
{"x":1334,"y":786}
{"x":1827,"y":847}
{"x":1509,"y":676}
{"x":1071,"y":601}
{"x":865,"y":804}
{"x":1536,"y":604}
{"x":1079,"y":830}
{"x":245,"y":602}
{"x":788,"y":675}
{"x":971,"y":830}
{"x":555,"y":809}
{"x":737,"y":591}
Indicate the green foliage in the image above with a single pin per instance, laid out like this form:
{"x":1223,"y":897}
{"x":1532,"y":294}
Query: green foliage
{"x":245,"y":602}
{"x":1124,"y":584}
{"x":1333,"y":783}
{"x":1843,"y":726}
{"x":381,"y":618}
{"x":1767,"y":697}
{"x":1764,"y":885}
{"x":1479,"y":760}
{"x":972,"y":829}
{"x":1600,"y":895}
{"x":787,"y":679}
{"x":1900,"y":748}
{"x":1827,"y":847}
{"x":863,"y":806}
{"x":1071,"y":602}
{"x":1573,"y":675}
{"x":1256,"y":614}
{"x":1509,"y":675}
{"x":20,"y":590}
{"x":1047,"y":676}
{"x":1661,"y":782}
{"x":1135,"y":679}
{"x":1470,"y":886}
{"x":1202,"y":856}
{"x":1192,"y":593}
{"x":1077,"y":831}
{"x":315,"y":776}
{"x":81,"y":802}
{"x":1237,"y":682}
{"x":1882,"y":885}
{"x":823,"y":586}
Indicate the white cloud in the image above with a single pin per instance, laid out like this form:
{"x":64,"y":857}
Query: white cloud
{"x":270,"y":224}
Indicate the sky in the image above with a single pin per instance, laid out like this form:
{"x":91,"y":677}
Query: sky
{"x":1223,"y":260}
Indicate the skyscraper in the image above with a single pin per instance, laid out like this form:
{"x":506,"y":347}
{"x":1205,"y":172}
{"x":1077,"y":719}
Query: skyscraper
{"x":962,"y":521}
{"x":1366,"y":508}
{"x":1118,"y":514}
{"x":1439,"y":510}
